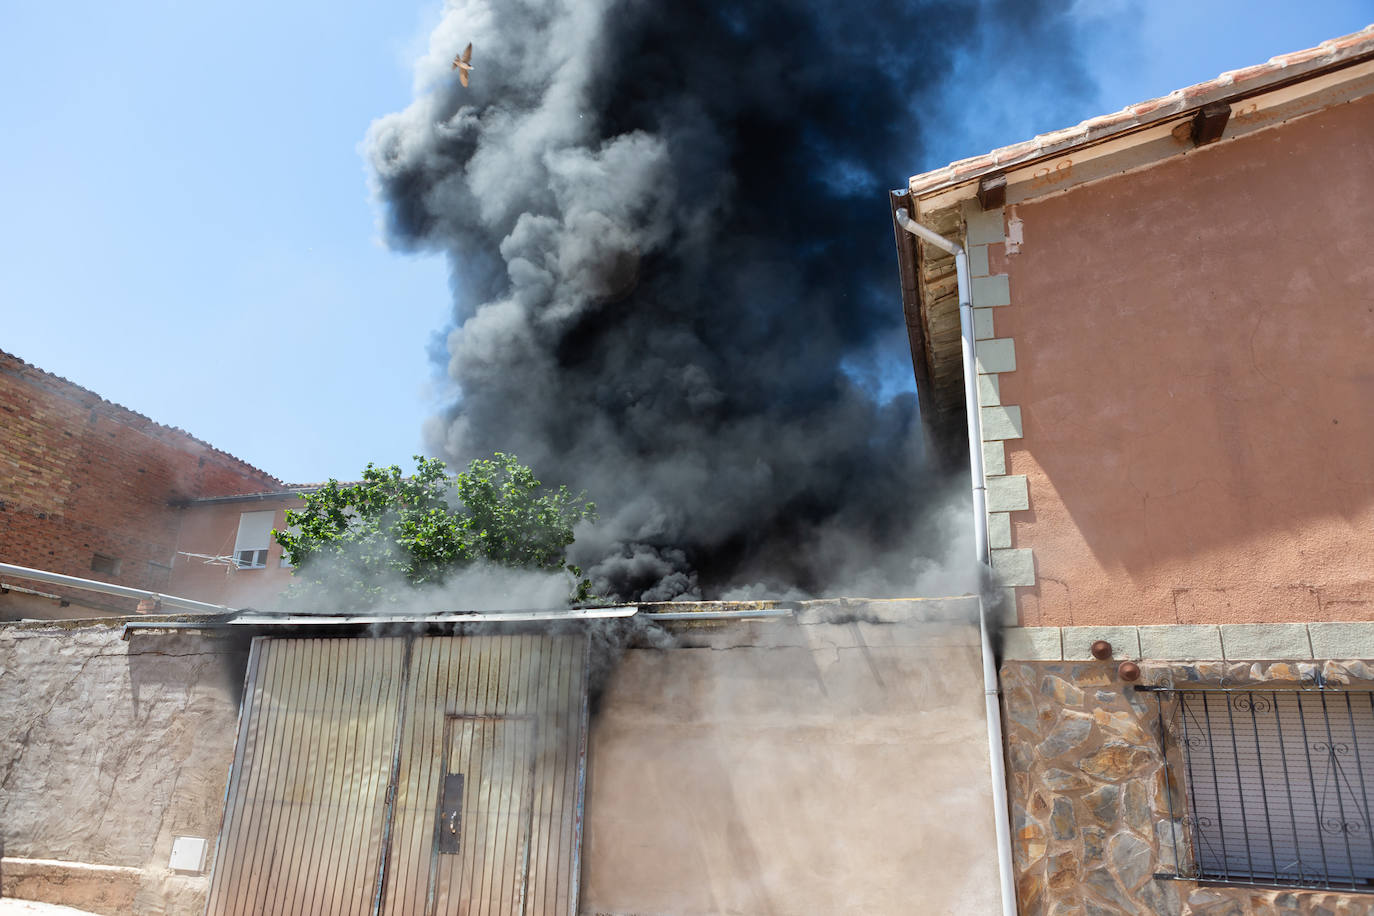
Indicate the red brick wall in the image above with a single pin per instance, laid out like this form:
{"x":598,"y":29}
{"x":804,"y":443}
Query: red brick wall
{"x":81,"y":476}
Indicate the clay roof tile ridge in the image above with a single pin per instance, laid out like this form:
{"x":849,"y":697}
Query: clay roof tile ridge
{"x":68,"y":383}
{"x":1179,"y":99}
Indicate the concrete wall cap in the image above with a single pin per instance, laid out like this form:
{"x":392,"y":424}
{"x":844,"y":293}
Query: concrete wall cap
{"x":1180,"y":641}
{"x":1265,"y":641}
{"x":1032,"y":644}
{"x":1077,"y":640}
{"x":1346,"y":639}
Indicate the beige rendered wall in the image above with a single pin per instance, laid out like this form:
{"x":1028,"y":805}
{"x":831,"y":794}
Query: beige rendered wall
{"x":795,"y":768}
{"x":834,"y":762}
{"x":212,"y":528}
{"x":1195,"y":370}
{"x":109,"y":750}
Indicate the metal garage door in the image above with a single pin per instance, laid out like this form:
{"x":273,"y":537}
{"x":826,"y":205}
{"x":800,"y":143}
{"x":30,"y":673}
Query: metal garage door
{"x":423,"y":776}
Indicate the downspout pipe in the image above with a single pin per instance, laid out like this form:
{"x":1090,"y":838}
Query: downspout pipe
{"x":991,"y":691}
{"x":971,"y":401}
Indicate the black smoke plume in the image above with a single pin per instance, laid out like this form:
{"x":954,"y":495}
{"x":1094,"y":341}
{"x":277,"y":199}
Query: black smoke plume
{"x":673,"y":272}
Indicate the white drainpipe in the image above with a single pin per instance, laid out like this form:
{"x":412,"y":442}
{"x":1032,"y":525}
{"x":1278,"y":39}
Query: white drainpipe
{"x":980,"y":546}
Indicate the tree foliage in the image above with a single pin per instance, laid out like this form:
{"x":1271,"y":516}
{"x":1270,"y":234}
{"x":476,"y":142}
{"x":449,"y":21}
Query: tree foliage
{"x":353,"y":544}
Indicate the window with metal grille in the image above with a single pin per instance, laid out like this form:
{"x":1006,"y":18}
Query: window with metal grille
{"x":1277,"y":785}
{"x":106,"y":565}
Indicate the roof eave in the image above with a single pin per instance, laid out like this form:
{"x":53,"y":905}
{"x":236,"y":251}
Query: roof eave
{"x":1230,"y":87}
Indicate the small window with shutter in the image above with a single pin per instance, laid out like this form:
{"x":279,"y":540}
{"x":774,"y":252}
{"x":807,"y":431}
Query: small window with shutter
{"x":254,"y":537}
{"x":1278,"y":785}
{"x":108,"y":566}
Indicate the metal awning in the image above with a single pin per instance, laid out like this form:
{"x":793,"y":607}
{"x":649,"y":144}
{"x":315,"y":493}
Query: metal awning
{"x":260,"y":619}
{"x":266,"y":622}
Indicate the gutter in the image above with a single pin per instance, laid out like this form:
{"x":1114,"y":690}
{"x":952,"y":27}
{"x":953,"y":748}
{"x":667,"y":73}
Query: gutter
{"x":243,"y":497}
{"x":1232,"y":88}
{"x":109,"y":588}
{"x":991,"y":690}
{"x":257,"y":622}
{"x":266,"y":622}
{"x":971,"y":407}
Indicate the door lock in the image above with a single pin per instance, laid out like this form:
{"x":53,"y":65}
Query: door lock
{"x":451,"y":814}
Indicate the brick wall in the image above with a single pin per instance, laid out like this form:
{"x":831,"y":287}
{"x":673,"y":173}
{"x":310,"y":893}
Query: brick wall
{"x":80,"y":477}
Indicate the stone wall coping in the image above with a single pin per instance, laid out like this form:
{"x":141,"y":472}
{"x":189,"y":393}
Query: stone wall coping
{"x":15,"y":864}
{"x":1190,"y":642}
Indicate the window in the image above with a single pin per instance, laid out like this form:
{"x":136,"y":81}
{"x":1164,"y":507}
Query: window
{"x":255,"y":536}
{"x":108,"y":566}
{"x":1278,"y":785}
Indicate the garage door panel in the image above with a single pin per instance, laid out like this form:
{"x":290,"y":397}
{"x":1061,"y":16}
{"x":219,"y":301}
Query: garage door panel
{"x":306,"y":802}
{"x":336,"y":799}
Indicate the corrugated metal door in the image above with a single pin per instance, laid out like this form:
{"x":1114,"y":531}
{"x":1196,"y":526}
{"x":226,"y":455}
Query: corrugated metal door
{"x":432,"y":776}
{"x":507,"y":714}
{"x":305,"y":809}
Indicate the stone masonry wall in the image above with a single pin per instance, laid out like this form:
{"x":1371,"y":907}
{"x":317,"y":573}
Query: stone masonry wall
{"x":108,"y":751}
{"x":1091,"y":812}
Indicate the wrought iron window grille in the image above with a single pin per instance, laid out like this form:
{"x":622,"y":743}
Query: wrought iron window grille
{"x":1277,"y":784}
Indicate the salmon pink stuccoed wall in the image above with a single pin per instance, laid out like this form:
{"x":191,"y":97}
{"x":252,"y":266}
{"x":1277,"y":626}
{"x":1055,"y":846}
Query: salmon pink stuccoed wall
{"x":210,"y":529}
{"x":1195,"y":372}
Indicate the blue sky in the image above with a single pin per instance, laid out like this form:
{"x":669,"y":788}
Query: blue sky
{"x":188,"y":229}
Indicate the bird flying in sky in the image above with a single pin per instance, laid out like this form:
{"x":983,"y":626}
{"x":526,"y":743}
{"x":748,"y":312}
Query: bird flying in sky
{"x":462,"y":65}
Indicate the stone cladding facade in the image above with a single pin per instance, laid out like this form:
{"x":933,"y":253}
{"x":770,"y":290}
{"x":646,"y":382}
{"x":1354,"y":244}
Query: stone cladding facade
{"x":1093,"y":818}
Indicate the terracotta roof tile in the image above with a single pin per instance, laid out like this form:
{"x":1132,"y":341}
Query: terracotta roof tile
{"x":321,"y":485}
{"x":60,"y":383}
{"x":1232,"y":83}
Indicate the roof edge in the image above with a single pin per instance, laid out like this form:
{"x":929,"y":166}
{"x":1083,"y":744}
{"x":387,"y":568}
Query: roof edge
{"x":64,"y":387}
{"x":1333,"y":54}
{"x":262,"y":496}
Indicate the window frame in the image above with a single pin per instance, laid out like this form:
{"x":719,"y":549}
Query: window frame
{"x":248,"y":542}
{"x":1204,"y":750}
{"x":105,"y":564}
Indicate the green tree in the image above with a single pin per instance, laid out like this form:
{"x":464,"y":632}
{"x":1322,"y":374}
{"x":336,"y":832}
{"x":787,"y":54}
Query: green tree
{"x":352,"y":544}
